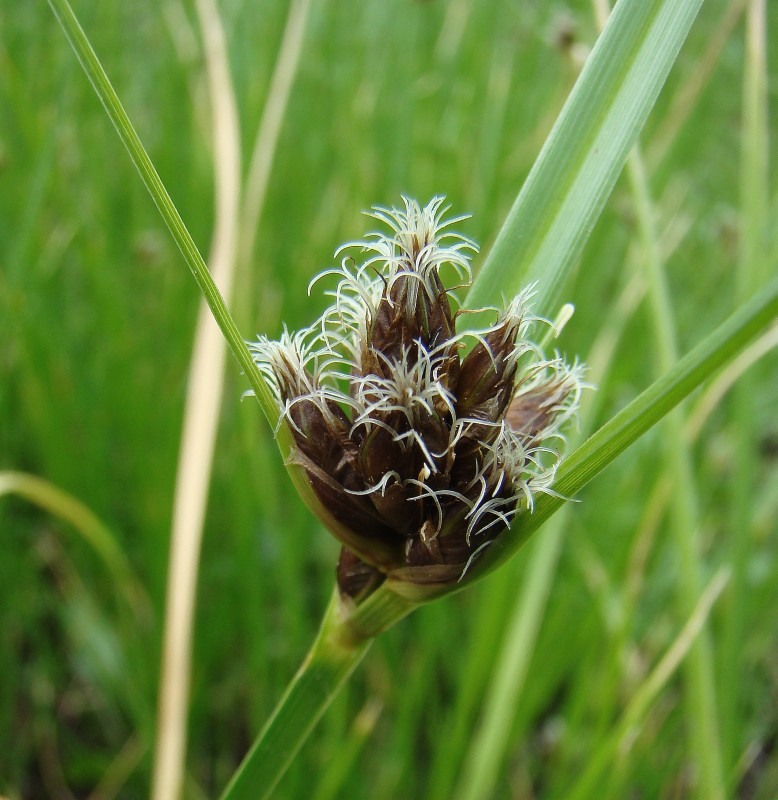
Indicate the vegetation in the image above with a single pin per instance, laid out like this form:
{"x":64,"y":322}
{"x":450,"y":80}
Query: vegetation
{"x":628,"y":649}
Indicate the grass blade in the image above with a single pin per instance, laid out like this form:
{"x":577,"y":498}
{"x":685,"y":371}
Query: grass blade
{"x":625,"y":731}
{"x":585,"y":152}
{"x":753,"y":261}
{"x":702,"y":720}
{"x":59,"y":503}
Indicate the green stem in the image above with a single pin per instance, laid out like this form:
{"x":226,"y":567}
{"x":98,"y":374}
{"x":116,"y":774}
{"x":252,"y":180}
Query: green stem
{"x":140,"y":158}
{"x":700,"y":696}
{"x":343,"y":639}
{"x":626,"y":729}
{"x":755,"y":213}
{"x":506,"y":684}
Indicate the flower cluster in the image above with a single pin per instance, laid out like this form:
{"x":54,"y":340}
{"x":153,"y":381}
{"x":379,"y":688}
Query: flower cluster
{"x":419,"y":443}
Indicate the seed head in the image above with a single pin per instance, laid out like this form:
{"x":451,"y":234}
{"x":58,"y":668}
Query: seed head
{"x":420,"y":443}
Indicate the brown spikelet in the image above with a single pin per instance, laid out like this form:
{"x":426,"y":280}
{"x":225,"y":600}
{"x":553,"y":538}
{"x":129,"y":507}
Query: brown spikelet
{"x":418,"y":453}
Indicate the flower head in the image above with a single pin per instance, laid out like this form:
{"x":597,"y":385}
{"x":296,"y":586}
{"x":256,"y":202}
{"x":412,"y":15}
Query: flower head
{"x":420,"y":444}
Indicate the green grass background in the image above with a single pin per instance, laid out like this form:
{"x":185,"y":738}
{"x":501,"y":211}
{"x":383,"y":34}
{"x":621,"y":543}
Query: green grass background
{"x":96,"y":320}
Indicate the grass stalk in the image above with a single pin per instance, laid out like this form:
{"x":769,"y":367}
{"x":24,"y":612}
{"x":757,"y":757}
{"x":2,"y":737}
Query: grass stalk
{"x":752,"y":260}
{"x":348,"y":752}
{"x":506,"y":684}
{"x":89,"y":526}
{"x":731,"y":376}
{"x":702,"y":715}
{"x":685,"y":99}
{"x":344,"y":636}
{"x":236,"y":221}
{"x":266,"y":139}
{"x":660,"y":494}
{"x":628,"y":726}
{"x":201,"y":416}
{"x":332,"y":658}
{"x":476,"y":669}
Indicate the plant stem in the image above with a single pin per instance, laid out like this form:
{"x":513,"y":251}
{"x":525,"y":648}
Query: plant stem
{"x":481,"y":767}
{"x":631,"y":720}
{"x":343,"y":639}
{"x":754,"y":224}
{"x":332,"y":658}
{"x":702,"y":715}
{"x":205,"y":387}
{"x":59,"y":503}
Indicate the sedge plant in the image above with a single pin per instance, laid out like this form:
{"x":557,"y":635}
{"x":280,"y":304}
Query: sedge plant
{"x":429,"y":446}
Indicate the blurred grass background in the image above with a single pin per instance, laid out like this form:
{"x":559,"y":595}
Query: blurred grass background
{"x":96,"y":319}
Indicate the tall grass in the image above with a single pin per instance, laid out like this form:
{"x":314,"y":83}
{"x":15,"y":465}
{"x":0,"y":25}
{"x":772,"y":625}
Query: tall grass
{"x":98,"y":317}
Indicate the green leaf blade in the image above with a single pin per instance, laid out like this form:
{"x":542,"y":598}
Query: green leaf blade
{"x":578,"y":166}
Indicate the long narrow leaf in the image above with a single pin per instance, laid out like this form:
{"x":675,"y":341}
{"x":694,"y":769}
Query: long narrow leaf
{"x":585,"y":152}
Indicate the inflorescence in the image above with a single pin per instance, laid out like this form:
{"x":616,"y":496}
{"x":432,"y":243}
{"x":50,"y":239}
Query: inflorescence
{"x":419,"y":443}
